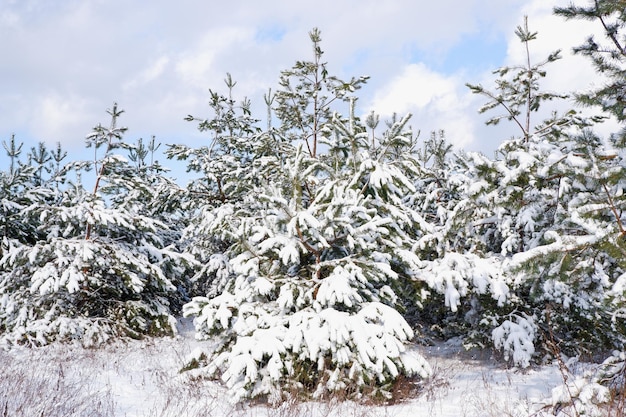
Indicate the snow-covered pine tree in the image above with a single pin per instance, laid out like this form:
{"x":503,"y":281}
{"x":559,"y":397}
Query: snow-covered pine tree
{"x":299,"y":295}
{"x":39,"y":157}
{"x":97,"y":269}
{"x":457,"y":278}
{"x":598,"y":213}
{"x":528,"y":189}
{"x":18,"y":191}
{"x":141,"y":187}
{"x":228,"y":168}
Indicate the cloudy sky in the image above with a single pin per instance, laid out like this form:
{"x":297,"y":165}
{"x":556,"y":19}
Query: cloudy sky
{"x":63,"y":63}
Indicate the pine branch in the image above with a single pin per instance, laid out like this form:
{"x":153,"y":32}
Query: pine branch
{"x":618,"y":219}
{"x":110,"y":135}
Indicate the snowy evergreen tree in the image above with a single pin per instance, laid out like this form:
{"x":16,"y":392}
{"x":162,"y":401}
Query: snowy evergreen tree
{"x":228,"y":172}
{"x":531,"y":189}
{"x":98,"y":268}
{"x":18,"y":191}
{"x":300,"y":287}
{"x":600,"y":241}
{"x":457,"y":277}
{"x":39,"y":158}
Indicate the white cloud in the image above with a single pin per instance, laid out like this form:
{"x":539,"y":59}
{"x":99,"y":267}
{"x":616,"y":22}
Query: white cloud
{"x":437,"y":102}
{"x":64,"y":63}
{"x":415,"y":88}
{"x":9,"y":19}
{"x":197,"y":65}
{"x":54,"y":115}
{"x":149,"y":74}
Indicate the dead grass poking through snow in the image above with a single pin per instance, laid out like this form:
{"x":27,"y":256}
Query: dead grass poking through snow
{"x":142,"y":379}
{"x":40,"y":386}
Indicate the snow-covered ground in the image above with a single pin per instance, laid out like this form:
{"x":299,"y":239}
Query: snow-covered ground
{"x":142,"y":378}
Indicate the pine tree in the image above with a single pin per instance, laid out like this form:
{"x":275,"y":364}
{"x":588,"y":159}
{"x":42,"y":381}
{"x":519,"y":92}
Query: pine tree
{"x":514,"y":191}
{"x":300,"y":294}
{"x":307,"y":93}
{"x":457,"y":279}
{"x":98,"y":268}
{"x":230,"y":168}
{"x":39,"y":157}
{"x":596,"y":241}
{"x":226,"y":161}
{"x":531,"y":189}
{"x":18,"y":191}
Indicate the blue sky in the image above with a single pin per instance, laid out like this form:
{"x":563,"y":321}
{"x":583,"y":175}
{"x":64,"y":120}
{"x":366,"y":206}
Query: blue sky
{"x":65,"y":62}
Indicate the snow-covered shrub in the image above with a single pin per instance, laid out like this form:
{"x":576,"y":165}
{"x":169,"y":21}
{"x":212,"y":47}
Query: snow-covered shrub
{"x":599,"y":392}
{"x":457,"y":280}
{"x":305,"y":301}
{"x":72,"y":288}
{"x":515,"y":337}
{"x":612,"y":373}
{"x":455,"y":275}
{"x":322,"y":324}
{"x":589,"y":394}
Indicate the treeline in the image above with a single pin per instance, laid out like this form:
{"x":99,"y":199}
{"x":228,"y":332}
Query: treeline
{"x":310,"y":250}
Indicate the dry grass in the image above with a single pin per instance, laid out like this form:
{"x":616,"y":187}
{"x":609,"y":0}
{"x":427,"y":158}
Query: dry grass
{"x":616,"y":407}
{"x":44,"y":388}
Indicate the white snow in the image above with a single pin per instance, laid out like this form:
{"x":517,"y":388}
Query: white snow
{"x":515,"y":338}
{"x":142,"y":379}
